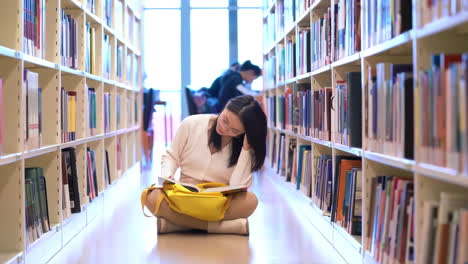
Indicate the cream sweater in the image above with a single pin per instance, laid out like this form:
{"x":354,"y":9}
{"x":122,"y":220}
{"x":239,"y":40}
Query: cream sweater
{"x":190,"y":152}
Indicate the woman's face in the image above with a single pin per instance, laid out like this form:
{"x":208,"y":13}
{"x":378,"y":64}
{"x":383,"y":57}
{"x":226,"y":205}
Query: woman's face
{"x":229,"y":124}
{"x":249,"y":76}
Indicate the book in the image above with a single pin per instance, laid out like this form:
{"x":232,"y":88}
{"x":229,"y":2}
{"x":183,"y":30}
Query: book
{"x":194,"y":187}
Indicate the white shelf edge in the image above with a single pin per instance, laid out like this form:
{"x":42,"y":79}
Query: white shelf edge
{"x":348,"y":149}
{"x":318,"y":3}
{"x":390,"y":44}
{"x":39,"y":62}
{"x":321,"y":70}
{"x":40,"y":151}
{"x":392,"y":161}
{"x":93,"y":17}
{"x":11,"y":257}
{"x":303,"y":16}
{"x":65,"y":69}
{"x":9,"y":158}
{"x":7,"y":52}
{"x":322,"y":142}
{"x":42,"y":239}
{"x":303,"y":76}
{"x":442,"y":174}
{"x":347,"y":60}
{"x":442,"y":24}
{"x":92,"y":77}
{"x":108,"y":81}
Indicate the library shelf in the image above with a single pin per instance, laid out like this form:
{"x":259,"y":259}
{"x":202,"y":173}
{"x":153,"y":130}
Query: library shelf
{"x":290,"y":81}
{"x":401,"y":163}
{"x":304,"y":77}
{"x":9,"y":158}
{"x":108,"y":81}
{"x":323,"y":221}
{"x":452,"y":24}
{"x":33,"y":61}
{"x":441,"y":174}
{"x":11,"y":258}
{"x":324,"y":143}
{"x":108,"y":30}
{"x":322,"y":70}
{"x":348,"y":149}
{"x":40,"y":151}
{"x":354,"y":59}
{"x":45,"y":247}
{"x":6,"y":52}
{"x":397,"y":45}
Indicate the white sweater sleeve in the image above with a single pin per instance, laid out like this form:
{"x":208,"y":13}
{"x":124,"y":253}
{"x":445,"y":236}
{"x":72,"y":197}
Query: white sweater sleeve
{"x":242,"y":174}
{"x":170,"y":160}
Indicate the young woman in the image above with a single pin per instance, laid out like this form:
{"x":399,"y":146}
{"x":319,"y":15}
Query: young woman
{"x":224,"y":148}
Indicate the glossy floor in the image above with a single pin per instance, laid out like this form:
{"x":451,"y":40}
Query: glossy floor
{"x":278,"y":234}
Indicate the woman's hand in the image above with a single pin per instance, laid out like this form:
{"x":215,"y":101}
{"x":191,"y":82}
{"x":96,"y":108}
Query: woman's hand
{"x":246,"y":144}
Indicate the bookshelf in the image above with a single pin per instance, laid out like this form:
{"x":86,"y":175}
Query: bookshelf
{"x":71,"y":47}
{"x":362,"y":64}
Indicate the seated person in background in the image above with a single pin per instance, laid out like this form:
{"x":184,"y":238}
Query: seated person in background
{"x":216,"y":85}
{"x":233,"y":83}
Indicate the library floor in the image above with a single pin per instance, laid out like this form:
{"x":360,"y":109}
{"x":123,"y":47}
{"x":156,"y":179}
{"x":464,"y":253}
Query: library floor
{"x":278,"y":234}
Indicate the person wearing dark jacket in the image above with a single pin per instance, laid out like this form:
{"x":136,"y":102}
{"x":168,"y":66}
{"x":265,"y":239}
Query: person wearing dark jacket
{"x":232,"y":82}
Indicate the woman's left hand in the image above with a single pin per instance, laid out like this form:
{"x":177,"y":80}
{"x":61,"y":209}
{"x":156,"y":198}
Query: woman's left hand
{"x":246,"y":144}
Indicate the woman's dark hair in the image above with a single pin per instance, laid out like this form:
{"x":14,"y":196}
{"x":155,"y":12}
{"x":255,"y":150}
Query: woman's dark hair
{"x":254,"y":120}
{"x":247,"y":65}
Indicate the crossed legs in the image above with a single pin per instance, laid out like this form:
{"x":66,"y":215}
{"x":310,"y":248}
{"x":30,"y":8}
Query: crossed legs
{"x":242,"y":205}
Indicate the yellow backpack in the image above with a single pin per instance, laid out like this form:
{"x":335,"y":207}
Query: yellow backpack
{"x":208,"y":206}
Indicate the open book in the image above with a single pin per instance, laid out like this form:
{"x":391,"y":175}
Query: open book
{"x":224,"y":190}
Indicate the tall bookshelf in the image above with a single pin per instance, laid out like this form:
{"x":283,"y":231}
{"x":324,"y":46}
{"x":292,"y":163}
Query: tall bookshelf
{"x":33,"y":39}
{"x":310,"y":46}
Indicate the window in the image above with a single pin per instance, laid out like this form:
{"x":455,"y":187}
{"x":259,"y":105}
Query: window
{"x":250,"y":40}
{"x":162,"y":4}
{"x":162,"y":49}
{"x":209,"y":45}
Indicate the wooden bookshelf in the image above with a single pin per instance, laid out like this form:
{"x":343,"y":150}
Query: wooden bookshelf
{"x":446,"y":34}
{"x":53,"y":75}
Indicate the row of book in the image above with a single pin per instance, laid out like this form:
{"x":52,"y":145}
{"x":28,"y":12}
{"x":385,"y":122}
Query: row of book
{"x":321,"y":40}
{"x":303,"y":58}
{"x":119,"y":15}
{"x":444,"y":105}
{"x":68,"y":102}
{"x":348,"y":110}
{"x":119,"y":64}
{"x":269,"y":30}
{"x":36,"y":206}
{"x":434,"y":10}
{"x":290,"y":59}
{"x":91,"y":5}
{"x":69,"y":48}
{"x":107,"y":52}
{"x":390,"y":231}
{"x":34,"y":27}
{"x":386,"y":19}
{"x":33,"y":110}
{"x":108,"y":12}
{"x":281,"y":64}
{"x":107,"y":112}
{"x":92,"y":114}
{"x":90,"y":46}
{"x":269,"y":71}
{"x":347,"y":30}
{"x":388,"y":117}
{"x":338,"y":194}
{"x":444,"y":231}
